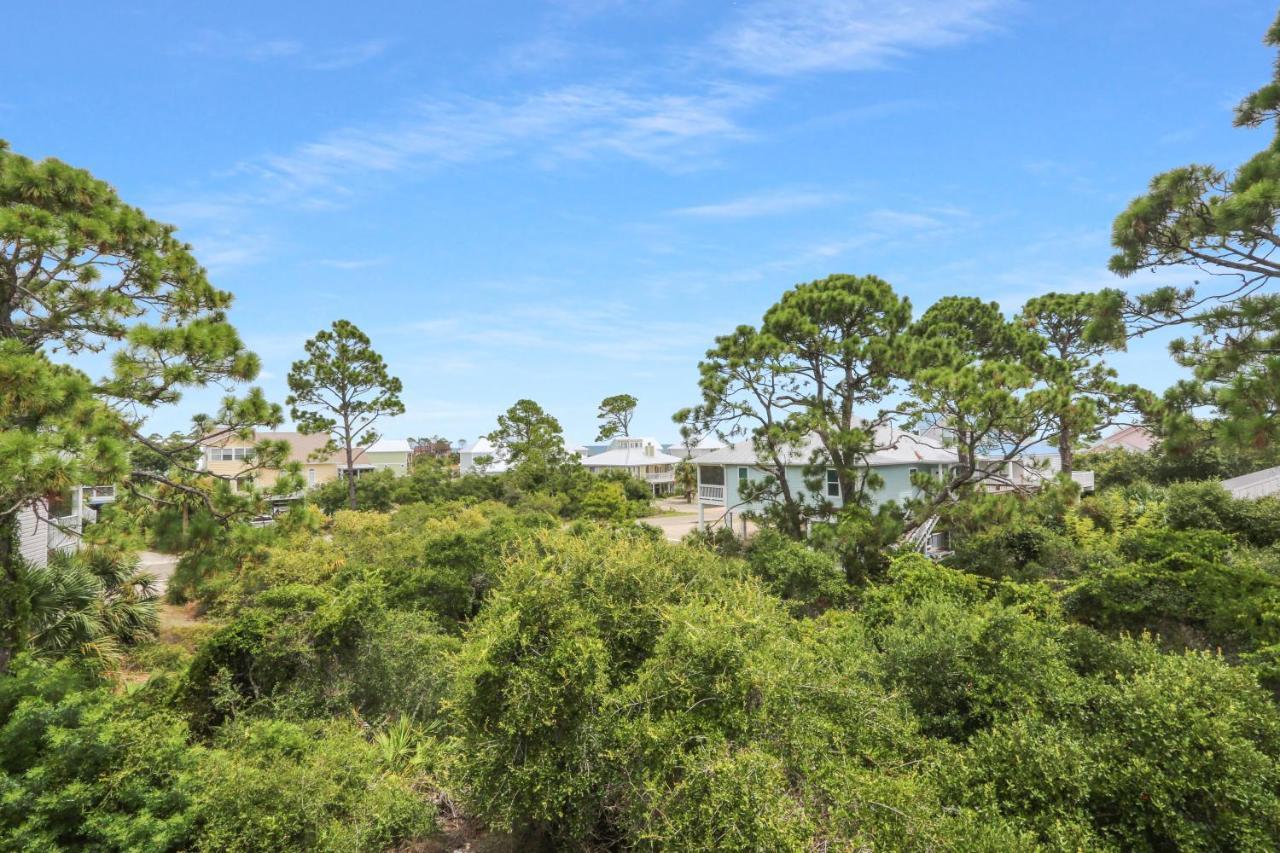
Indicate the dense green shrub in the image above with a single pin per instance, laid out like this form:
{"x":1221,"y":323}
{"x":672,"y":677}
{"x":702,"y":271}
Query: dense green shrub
{"x":1190,"y":586}
{"x":1176,"y":752}
{"x":814,"y":580}
{"x":572,"y":617}
{"x":273,"y":785}
{"x":83,"y":768}
{"x":960,"y":659}
{"x":307,"y":650}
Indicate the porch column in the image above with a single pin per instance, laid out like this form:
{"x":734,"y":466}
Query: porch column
{"x":702,"y":517}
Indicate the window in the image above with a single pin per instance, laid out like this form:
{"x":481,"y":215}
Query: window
{"x":742,"y":475}
{"x":833,"y":483}
{"x":311,"y":476}
{"x":230,"y":454}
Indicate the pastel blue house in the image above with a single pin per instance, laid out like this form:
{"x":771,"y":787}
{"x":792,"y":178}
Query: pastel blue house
{"x":722,"y":473}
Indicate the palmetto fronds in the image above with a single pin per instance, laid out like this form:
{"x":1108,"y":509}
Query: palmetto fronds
{"x":93,"y":604}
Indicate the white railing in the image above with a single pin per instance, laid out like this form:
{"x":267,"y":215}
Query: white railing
{"x":99,"y":493}
{"x":64,"y":533}
{"x":661,"y":477}
{"x":711,"y":493}
{"x":1084,"y":479}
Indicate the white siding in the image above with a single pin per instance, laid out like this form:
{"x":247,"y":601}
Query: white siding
{"x":33,"y":538}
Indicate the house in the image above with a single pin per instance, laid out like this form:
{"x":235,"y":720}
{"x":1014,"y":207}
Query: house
{"x":1259,"y":484}
{"x":1035,"y":469}
{"x":722,"y":473}
{"x":386,"y":454}
{"x":231,"y":456}
{"x":52,"y":524}
{"x":704,"y":445}
{"x":642,"y":458}
{"x":1135,"y":439}
{"x":482,"y":457}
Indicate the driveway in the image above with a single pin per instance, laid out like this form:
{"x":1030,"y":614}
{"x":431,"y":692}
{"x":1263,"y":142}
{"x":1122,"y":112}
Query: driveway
{"x":160,"y":565}
{"x":685,"y":520}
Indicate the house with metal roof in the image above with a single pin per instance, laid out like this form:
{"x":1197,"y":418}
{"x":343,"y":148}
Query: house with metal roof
{"x":723,"y":474}
{"x":642,"y":458}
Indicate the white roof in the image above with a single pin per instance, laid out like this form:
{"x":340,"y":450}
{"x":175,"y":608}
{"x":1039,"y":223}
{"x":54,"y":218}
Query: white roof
{"x":481,"y":447}
{"x":390,"y":445}
{"x":629,"y":452}
{"x":898,"y":448}
{"x":1256,"y":485}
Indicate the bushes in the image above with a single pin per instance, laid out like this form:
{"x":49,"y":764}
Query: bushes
{"x":274,"y":785}
{"x":81,"y":767}
{"x":595,"y":686}
{"x":571,"y":619}
{"x":310,"y":651}
{"x":1177,"y":753}
{"x":812,"y":579}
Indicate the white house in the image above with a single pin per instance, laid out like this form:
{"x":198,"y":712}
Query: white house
{"x":704,"y":445}
{"x":642,"y":458}
{"x":496,"y":458}
{"x":53,"y":525}
{"x":482,"y":457}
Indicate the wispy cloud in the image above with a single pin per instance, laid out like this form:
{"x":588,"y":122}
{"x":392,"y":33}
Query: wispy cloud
{"x":348,"y":56}
{"x":676,"y":131}
{"x":762,"y":204}
{"x":246,"y":48}
{"x":613,"y":331}
{"x":782,"y":37}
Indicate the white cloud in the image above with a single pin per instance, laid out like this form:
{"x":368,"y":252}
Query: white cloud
{"x":782,"y":37}
{"x":762,"y":204}
{"x":674,"y":131}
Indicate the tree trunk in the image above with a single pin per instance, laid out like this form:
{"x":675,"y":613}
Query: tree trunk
{"x":351,"y":479}
{"x":10,"y":589}
{"x":1066,"y":451}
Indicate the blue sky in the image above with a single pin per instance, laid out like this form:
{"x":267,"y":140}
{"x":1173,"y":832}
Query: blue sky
{"x":567,"y":200}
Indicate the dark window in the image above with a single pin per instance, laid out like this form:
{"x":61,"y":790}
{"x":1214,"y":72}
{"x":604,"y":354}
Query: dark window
{"x":833,"y":483}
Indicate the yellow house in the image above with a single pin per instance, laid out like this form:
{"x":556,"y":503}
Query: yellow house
{"x":228,"y":456}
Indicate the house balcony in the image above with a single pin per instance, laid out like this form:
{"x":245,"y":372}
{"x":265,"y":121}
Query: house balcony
{"x":64,"y":533}
{"x":710,"y":494}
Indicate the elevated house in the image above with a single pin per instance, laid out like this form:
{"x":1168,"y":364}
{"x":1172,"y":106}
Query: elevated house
{"x":642,"y":458}
{"x":723,"y":474}
{"x":56,"y":522}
